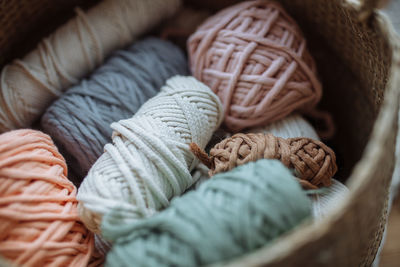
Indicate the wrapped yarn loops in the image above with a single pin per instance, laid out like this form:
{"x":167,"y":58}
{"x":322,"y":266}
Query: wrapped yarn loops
{"x":39,"y":224}
{"x":254,"y":57}
{"x":314,"y":162}
{"x":229,"y":215}
{"x":150,"y":161}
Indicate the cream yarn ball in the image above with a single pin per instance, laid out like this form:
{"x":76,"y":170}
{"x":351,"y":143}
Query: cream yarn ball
{"x":149,"y":161}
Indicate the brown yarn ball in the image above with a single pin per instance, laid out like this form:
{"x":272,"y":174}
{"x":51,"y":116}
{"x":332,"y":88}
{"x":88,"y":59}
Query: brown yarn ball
{"x":254,"y":57}
{"x":313,"y":162}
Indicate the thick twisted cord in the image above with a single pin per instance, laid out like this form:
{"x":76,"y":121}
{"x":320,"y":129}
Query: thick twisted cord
{"x":29,"y":85}
{"x":313,"y":162}
{"x":39,"y":224}
{"x":149,"y":161}
{"x":289,"y":127}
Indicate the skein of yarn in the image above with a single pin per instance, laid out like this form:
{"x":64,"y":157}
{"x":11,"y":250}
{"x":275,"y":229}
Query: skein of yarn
{"x":229,"y":215}
{"x":313,"y":162}
{"x":39,"y":224}
{"x":290,"y":127}
{"x":150,"y":161}
{"x":80,"y":120}
{"x":29,"y":85}
{"x":324,"y":203}
{"x":254,"y":57}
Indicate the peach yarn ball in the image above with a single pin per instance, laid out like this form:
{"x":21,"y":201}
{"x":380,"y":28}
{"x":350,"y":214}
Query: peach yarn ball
{"x":254,"y":57}
{"x":39,"y":224}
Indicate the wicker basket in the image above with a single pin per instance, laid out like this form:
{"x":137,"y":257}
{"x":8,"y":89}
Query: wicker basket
{"x":358,"y":58}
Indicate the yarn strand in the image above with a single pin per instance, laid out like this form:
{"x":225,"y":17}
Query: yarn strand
{"x":39,"y":223}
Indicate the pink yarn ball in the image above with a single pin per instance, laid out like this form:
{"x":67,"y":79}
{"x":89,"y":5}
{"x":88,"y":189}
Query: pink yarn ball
{"x":254,"y":57}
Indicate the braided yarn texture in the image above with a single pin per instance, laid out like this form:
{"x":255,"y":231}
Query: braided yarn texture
{"x":28,"y":86}
{"x":292,"y":126}
{"x":229,"y":215}
{"x":39,"y":224}
{"x":254,"y":57}
{"x":313,"y":162}
{"x":150,"y":161}
{"x":80,"y":120}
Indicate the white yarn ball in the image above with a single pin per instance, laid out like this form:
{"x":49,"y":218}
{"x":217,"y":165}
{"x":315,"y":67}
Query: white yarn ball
{"x":290,"y":127}
{"x":150,"y":160}
{"x":323,"y":204}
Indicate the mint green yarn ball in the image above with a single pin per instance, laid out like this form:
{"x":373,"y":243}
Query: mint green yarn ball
{"x":229,"y":215}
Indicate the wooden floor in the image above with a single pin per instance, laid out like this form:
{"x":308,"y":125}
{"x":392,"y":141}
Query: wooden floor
{"x":390,"y":256}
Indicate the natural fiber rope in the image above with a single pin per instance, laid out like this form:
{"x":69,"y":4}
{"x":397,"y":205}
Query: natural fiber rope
{"x":231,"y":214}
{"x":149,"y":161}
{"x":80,"y":120}
{"x":290,"y":127}
{"x":39,"y":224}
{"x":254,"y":57}
{"x":314,"y":163}
{"x":29,"y":85}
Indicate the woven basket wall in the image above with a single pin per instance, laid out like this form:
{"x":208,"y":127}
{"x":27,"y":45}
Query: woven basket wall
{"x":358,"y":61}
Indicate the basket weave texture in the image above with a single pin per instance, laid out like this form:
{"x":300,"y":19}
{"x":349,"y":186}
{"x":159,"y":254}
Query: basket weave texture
{"x":359,"y":64}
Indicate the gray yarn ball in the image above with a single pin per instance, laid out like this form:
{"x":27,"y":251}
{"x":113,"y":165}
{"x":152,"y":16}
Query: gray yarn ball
{"x":79,"y":121}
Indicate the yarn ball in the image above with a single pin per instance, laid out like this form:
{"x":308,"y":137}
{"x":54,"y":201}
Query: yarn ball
{"x":231,"y":214}
{"x":28,"y":86}
{"x":324,"y":203}
{"x":290,"y":127}
{"x":313,"y":162}
{"x":80,"y":120}
{"x":254,"y":57}
{"x":39,"y":224}
{"x":150,"y":161}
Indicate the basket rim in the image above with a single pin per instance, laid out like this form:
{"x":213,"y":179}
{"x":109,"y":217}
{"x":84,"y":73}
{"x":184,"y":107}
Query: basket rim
{"x":359,"y":178}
